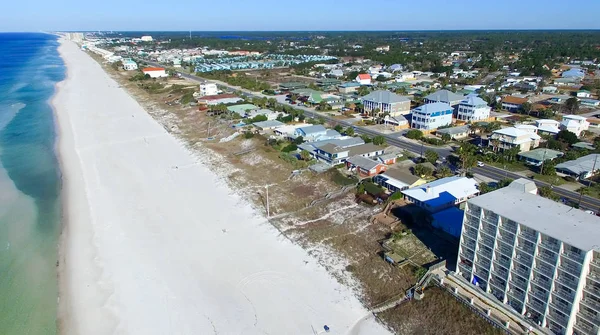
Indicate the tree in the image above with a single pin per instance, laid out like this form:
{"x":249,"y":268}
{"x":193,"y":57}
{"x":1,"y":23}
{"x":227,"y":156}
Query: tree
{"x":349,"y":131}
{"x":338,"y":128}
{"x":366,"y":138}
{"x":572,"y":105}
{"x":485,"y":188}
{"x":446,"y":138}
{"x":305,"y":155}
{"x":379,"y":140}
{"x":299,"y":140}
{"x":548,"y":168}
{"x":363,"y":90}
{"x":567,"y":137}
{"x":504,"y":182}
{"x":431,"y":156}
{"x":547,"y":192}
{"x":414,"y":134}
{"x":443,"y":171}
{"x":526,"y":108}
{"x":422,"y":170}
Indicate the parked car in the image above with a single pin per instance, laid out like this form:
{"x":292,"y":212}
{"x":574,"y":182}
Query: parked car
{"x":480,"y":164}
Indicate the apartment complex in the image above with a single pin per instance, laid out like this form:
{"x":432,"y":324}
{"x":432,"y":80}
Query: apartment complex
{"x":540,"y":257}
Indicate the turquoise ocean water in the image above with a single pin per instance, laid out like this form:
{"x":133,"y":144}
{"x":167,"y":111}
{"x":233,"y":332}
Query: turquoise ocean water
{"x":30,"y":66}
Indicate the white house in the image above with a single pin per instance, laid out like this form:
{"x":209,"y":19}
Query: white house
{"x":432,"y":116}
{"x":547,"y":126}
{"x":473,"y":108}
{"x":574,"y":123}
{"x":146,"y":38}
{"x":155,"y":72}
{"x":208,"y":88}
{"x":129,"y":65}
{"x":442,"y":193}
{"x":508,"y":138}
{"x":584,"y":94}
{"x":363,"y":79}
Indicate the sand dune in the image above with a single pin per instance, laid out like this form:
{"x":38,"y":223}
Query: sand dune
{"x":153,"y":249}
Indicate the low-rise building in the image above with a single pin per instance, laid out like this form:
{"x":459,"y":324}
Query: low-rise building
{"x":398,"y":122}
{"x":155,"y":72}
{"x":584,"y":94}
{"x":574,"y":123}
{"x":387,"y":103}
{"x":350,"y":87}
{"x":456,"y":133}
{"x":269,"y":114}
{"x":242,"y":109}
{"x":316,"y":133}
{"x":513,"y":104}
{"x":334,"y":155}
{"x":208,"y":88}
{"x":363,"y":79}
{"x":508,"y":138}
{"x":342,"y":142}
{"x":473,"y":109}
{"x":268,"y":125}
{"x":365,"y":167}
{"x":580,"y":168}
{"x":538,"y":156}
{"x":538,"y":256}
{"x":444,"y":96}
{"x":213,"y":100}
{"x":442,"y":193}
{"x":129,"y":65}
{"x":396,"y":180}
{"x":432,"y":116}
{"x":589,"y":102}
{"x":547,"y":126}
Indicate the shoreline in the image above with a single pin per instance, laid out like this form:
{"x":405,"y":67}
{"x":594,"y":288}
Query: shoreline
{"x":245,"y":288}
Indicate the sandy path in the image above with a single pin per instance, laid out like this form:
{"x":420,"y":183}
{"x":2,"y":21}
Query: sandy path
{"x":144,"y":250}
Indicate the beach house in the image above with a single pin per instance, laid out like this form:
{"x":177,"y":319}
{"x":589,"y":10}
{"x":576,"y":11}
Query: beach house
{"x":547,"y":126}
{"x":155,"y":72}
{"x":129,"y":65}
{"x":365,"y":167}
{"x":432,"y":116}
{"x":386,"y":102}
{"x":513,"y":104}
{"x":442,"y":193}
{"x":444,"y":96}
{"x":397,"y":180}
{"x":208,"y":88}
{"x":363,"y":79}
{"x":473,"y":109}
{"x":334,"y":155}
{"x":316,"y":133}
{"x":508,"y":138}
{"x":574,"y":123}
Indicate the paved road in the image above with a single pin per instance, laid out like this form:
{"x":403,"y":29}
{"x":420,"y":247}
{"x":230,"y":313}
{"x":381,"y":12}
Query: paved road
{"x":487,"y":171}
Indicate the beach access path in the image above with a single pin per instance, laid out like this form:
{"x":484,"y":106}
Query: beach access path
{"x":154,"y":242}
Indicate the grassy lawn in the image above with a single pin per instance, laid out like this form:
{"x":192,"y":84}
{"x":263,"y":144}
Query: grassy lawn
{"x":554,"y":180}
{"x":510,"y":166}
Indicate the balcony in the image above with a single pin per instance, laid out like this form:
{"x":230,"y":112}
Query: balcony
{"x":517,"y":295}
{"x":558,"y":318}
{"x":529,"y":250}
{"x":488,"y":233}
{"x":531,"y":237}
{"x":505,"y":250}
{"x":564,"y":280}
{"x":487,"y":241}
{"x":561,"y":306}
{"x":508,"y":229}
{"x":524,"y":259}
{"x":507,"y":238}
{"x":550,"y":246}
{"x":591,"y":303}
{"x":470,"y":232}
{"x":483,"y":262}
{"x":501,"y":273}
{"x":543,"y":283}
{"x":565,"y":295}
{"x":465,"y":267}
{"x":503,"y":262}
{"x":538,"y":307}
{"x":573,"y":256}
{"x":594,"y":276}
{"x":545,"y":270}
{"x":469,"y":245}
{"x":590,"y":317}
{"x":522,"y":274}
{"x":596,"y":262}
{"x":594,"y":290}
{"x":547,"y":258}
{"x":583,"y":329}
{"x":539,"y":293}
{"x":467,"y":254}
{"x":571,"y":269}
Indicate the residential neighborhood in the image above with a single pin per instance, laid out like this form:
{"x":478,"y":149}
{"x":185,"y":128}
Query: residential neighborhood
{"x":479,"y":177}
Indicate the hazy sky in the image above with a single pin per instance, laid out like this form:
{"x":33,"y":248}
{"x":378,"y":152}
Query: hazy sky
{"x":35,"y":15}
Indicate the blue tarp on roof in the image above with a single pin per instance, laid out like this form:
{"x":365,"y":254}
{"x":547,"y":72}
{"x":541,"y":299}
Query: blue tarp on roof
{"x":449,"y":220}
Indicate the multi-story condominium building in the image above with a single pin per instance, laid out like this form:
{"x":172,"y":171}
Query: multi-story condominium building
{"x":387,"y":102}
{"x":473,"y":108}
{"x":574,"y":123}
{"x":508,"y":138}
{"x":432,"y":116}
{"x":539,"y":257}
{"x":208,"y":88}
{"x":445,"y":96}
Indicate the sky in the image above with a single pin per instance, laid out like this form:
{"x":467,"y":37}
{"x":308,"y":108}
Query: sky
{"x":240,"y":15}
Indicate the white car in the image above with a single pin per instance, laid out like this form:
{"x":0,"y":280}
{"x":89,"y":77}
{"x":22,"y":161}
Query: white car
{"x":480,"y":164}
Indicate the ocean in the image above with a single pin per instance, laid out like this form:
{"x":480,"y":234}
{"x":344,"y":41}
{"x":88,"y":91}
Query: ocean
{"x":30,"y":207}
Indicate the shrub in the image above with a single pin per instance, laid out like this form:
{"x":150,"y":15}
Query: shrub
{"x":290,"y":147}
{"x":414,"y":134}
{"x":248,"y":134}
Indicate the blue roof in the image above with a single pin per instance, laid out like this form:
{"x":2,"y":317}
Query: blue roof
{"x":434,"y":107}
{"x":442,"y":199}
{"x":449,"y":220}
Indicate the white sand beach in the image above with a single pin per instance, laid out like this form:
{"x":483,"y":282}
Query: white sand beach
{"x":154,"y":242}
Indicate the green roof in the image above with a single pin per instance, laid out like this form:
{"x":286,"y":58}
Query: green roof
{"x":241,"y":109}
{"x":541,"y":154}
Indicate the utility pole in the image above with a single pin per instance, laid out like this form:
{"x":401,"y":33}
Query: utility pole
{"x":267,"y":187}
{"x":208,"y":130}
{"x":543,"y":159}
